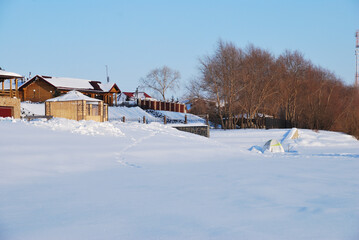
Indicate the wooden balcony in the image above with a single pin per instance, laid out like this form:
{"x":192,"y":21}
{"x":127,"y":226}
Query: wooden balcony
{"x":10,"y":91}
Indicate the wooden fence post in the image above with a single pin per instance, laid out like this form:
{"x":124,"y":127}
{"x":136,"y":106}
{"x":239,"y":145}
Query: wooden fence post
{"x":185,"y":119}
{"x":123,"y":119}
{"x":165,"y":119}
{"x":144,"y":119}
{"x":207,"y":119}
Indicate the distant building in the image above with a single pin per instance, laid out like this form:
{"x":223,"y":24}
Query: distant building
{"x":146,"y":102}
{"x":133,"y":96}
{"x":41,"y":88}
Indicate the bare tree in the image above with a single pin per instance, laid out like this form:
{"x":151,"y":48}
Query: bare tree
{"x":160,"y":80}
{"x":220,"y":80}
{"x":259,"y":77}
{"x":293,"y":68}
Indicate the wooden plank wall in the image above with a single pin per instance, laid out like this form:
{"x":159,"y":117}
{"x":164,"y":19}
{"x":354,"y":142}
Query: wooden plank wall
{"x":77,"y":110}
{"x":70,"y":110}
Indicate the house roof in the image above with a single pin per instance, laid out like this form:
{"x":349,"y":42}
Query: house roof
{"x":9,"y":75}
{"x":106,"y":87}
{"x":73,"y":96}
{"x":141,"y":95}
{"x":75,"y":84}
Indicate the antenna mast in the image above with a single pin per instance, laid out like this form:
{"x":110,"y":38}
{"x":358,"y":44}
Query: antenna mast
{"x":107,"y":77}
{"x":357,"y":59}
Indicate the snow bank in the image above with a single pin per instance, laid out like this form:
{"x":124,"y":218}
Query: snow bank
{"x":81,"y":127}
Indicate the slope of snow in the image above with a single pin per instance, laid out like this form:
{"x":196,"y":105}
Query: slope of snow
{"x":176,"y":117}
{"x":62,"y":179}
{"x":130,"y":113}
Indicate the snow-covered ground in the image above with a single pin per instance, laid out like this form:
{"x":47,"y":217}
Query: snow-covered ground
{"x":30,"y":109}
{"x":130,"y":113}
{"x":178,"y":115}
{"x":63,"y":179}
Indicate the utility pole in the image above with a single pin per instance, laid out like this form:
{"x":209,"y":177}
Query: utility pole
{"x":107,"y":77}
{"x":357,"y":59}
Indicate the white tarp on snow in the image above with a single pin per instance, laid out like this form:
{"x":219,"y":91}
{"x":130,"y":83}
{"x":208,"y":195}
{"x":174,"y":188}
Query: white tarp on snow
{"x":274,"y":146}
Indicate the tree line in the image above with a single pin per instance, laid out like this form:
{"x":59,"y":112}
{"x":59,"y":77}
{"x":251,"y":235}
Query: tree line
{"x":239,"y":84}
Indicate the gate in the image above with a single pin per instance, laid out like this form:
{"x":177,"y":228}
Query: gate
{"x":6,"y":111}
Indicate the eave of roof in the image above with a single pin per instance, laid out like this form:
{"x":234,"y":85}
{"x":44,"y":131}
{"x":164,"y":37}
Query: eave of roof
{"x":9,"y":75}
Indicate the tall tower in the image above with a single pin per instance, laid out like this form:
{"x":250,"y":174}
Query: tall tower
{"x":357,"y":59}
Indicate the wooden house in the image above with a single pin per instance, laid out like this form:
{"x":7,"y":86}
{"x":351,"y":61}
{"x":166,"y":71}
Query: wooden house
{"x":41,"y":88}
{"x":76,"y":106}
{"x":9,"y":94}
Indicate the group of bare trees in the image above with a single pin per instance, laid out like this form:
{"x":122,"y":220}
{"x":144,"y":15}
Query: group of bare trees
{"x":236,"y":83}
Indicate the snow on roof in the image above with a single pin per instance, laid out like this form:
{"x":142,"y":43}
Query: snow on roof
{"x":73,"y":96}
{"x":8,"y":75}
{"x":106,"y":87}
{"x":69,"y":82}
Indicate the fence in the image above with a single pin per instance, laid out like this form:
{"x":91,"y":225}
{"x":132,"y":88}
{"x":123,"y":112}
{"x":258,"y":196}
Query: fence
{"x":161,"y":105}
{"x":264,"y":122}
{"x":162,"y":119}
{"x":277,"y":123}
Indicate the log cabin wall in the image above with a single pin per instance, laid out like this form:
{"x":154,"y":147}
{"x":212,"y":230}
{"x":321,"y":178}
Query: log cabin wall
{"x":37,"y":91}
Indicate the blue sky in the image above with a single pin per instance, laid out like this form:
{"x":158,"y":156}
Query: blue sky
{"x":77,"y":39}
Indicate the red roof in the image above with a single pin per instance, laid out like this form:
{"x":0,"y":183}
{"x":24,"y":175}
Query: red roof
{"x":132,"y":94}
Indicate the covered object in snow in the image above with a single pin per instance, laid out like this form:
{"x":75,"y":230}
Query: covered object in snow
{"x":274,"y":146}
{"x":76,"y":106}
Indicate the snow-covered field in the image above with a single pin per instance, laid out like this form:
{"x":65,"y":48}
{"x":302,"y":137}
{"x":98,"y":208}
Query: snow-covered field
{"x":64,"y":179}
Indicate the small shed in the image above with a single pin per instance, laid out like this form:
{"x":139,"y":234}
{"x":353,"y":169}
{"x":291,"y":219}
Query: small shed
{"x":77,"y":106}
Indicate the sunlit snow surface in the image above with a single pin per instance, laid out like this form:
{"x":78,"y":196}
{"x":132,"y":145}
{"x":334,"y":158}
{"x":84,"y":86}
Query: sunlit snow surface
{"x":64,"y":179}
